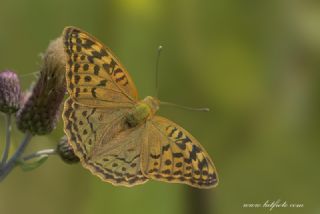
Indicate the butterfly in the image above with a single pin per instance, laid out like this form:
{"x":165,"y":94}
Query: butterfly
{"x":117,"y":136}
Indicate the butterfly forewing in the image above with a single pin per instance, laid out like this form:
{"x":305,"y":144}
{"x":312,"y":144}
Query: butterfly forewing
{"x":94,"y":75}
{"x":172,"y":154}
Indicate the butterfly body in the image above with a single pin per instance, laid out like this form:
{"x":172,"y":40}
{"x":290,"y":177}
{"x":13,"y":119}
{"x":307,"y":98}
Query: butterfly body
{"x":142,"y":111}
{"x":118,"y":137}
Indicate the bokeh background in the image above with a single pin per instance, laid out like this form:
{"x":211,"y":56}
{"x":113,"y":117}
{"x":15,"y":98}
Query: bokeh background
{"x":256,"y":64}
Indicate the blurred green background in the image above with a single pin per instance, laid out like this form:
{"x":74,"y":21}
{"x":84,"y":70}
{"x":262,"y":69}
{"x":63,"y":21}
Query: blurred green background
{"x":254,"y":63}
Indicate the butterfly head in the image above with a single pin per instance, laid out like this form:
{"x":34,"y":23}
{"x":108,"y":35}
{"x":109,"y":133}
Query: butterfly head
{"x":153,"y":103}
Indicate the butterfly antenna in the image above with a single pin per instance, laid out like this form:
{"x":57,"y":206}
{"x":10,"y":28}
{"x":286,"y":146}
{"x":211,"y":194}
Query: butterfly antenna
{"x":184,"y":107}
{"x":157,"y":69}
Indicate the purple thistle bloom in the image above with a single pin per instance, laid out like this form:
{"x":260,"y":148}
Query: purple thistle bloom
{"x":10,"y":92}
{"x":40,"y":111}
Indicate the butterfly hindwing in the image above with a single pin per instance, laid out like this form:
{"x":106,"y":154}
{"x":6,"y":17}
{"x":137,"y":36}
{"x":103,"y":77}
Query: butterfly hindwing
{"x":85,"y":126}
{"x":117,"y":159}
{"x":94,"y":75}
{"x":103,"y":142}
{"x":172,"y":154}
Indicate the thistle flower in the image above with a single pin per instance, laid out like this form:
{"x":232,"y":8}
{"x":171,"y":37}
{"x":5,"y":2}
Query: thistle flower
{"x":10,"y":92}
{"x":40,"y":111}
{"x":66,"y":152}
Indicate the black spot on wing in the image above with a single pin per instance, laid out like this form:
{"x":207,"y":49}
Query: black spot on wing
{"x":88,"y":43}
{"x":93,"y":92}
{"x":182,"y":143}
{"x":165,"y":148}
{"x":85,"y":67}
{"x":155,"y":156}
{"x":193,"y":152}
{"x":102,"y":83}
{"x":96,"y":69}
{"x":76,"y":79}
{"x":96,"y":54}
{"x":180,"y":134}
{"x":120,"y":78}
{"x":177,"y":155}
{"x":87,"y":78}
{"x":168,"y":162}
{"x":172,"y":132}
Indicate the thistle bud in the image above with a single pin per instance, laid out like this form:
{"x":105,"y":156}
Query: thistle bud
{"x":39,"y":113}
{"x":10,"y":92}
{"x":66,"y":152}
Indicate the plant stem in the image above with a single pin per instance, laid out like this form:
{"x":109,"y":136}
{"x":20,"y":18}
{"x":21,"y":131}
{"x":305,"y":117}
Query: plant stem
{"x":8,"y":140}
{"x":39,"y":153}
{"x":6,"y":169}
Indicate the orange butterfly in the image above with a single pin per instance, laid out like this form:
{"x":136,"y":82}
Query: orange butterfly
{"x":116,"y":136}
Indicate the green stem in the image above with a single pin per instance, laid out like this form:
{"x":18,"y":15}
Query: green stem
{"x":40,"y":153}
{"x":8,"y":140}
{"x":6,"y":169}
